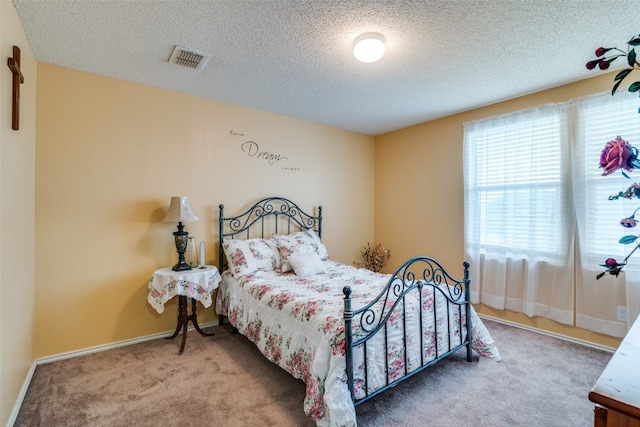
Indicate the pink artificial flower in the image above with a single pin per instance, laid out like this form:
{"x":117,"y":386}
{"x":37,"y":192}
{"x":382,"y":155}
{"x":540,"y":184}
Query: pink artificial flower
{"x":628,"y":222}
{"x":615,"y":155}
{"x":611,"y":262}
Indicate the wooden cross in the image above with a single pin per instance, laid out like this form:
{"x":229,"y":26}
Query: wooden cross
{"x":18,"y":79}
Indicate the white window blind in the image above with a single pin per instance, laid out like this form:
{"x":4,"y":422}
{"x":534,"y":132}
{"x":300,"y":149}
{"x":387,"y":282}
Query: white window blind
{"x":514,"y":197}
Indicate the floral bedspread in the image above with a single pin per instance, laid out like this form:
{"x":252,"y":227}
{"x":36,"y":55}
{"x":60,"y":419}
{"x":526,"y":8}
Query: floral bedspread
{"x":297,"y":323}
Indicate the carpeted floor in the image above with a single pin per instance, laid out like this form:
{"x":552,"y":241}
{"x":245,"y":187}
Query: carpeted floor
{"x":224,"y":380}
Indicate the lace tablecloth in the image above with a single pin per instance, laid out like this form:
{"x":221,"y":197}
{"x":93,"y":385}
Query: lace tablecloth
{"x":198,"y":283}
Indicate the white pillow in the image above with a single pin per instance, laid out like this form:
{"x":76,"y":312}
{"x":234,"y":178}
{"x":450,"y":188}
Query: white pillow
{"x":306,"y":264}
{"x":248,"y":256}
{"x":302,"y":242}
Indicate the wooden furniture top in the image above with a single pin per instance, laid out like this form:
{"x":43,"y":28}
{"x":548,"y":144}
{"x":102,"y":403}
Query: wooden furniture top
{"x":618,"y":387}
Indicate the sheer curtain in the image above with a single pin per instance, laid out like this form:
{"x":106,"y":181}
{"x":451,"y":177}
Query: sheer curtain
{"x":538,"y":222}
{"x":519,"y":224}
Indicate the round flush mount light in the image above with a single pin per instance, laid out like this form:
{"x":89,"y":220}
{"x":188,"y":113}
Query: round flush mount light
{"x":368,"y":47}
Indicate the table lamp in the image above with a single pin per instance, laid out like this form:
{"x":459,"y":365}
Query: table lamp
{"x":180,"y":211}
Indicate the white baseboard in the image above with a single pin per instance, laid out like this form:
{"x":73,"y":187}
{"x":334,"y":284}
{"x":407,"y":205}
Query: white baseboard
{"x":21,"y":395}
{"x":83,"y":352}
{"x":111,"y":346}
{"x":548,"y":333}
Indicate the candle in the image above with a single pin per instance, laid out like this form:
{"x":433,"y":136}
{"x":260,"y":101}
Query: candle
{"x":202,"y":254}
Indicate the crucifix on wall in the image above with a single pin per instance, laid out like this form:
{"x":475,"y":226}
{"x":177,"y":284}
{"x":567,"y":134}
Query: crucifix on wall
{"x":18,"y":79}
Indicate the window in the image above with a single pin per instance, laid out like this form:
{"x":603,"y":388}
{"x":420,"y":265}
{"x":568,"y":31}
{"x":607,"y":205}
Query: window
{"x":538,"y":222}
{"x":519,"y":179}
{"x":514,"y":189}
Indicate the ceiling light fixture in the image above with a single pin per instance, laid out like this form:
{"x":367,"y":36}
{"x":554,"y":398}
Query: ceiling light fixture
{"x":368,"y":47}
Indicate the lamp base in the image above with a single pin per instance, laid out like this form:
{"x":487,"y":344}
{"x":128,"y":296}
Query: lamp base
{"x":181,"y":266}
{"x":181,"y":239}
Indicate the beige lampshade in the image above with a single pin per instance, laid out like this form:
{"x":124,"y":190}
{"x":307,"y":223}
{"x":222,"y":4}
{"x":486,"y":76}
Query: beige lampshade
{"x":180,"y":210}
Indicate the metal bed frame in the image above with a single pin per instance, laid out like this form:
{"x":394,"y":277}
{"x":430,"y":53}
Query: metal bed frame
{"x":411,"y":280}
{"x":278,"y":214}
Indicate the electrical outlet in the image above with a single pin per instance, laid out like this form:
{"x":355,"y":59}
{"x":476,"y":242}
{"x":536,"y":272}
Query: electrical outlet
{"x":622,"y":313}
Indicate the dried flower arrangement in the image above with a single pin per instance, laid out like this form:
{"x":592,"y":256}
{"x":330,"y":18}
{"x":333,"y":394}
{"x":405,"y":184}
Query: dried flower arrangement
{"x":374,"y":258}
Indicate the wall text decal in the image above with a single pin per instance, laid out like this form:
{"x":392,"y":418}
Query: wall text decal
{"x":253,"y":150}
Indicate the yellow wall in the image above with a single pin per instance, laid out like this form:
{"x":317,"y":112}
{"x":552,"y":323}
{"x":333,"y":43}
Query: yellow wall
{"x":17,"y":186}
{"x":420,"y":190}
{"x":110,"y":154}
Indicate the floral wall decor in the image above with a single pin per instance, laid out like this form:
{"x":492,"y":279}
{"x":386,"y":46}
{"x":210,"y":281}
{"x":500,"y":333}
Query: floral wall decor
{"x":618,"y":153}
{"x":607,"y":55}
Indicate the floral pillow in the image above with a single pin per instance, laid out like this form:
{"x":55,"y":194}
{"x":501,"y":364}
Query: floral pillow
{"x":251,"y":255}
{"x":302,"y":242}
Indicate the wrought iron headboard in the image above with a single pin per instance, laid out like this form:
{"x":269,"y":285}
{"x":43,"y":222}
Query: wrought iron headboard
{"x":278,"y":214}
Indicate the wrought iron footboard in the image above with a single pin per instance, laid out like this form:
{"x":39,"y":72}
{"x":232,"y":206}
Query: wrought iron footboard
{"x":408,"y":285}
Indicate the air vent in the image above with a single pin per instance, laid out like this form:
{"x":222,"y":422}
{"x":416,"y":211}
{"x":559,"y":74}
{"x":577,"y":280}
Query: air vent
{"x":190,"y":58}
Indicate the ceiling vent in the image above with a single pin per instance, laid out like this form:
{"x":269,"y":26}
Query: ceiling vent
{"x":190,"y":58}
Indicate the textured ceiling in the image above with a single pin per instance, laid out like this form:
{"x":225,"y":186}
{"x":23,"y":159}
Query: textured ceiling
{"x":294,"y":58}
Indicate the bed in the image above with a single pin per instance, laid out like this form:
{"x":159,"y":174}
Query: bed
{"x":347,"y":332}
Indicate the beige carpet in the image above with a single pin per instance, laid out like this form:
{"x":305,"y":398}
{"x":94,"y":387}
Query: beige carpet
{"x":223,"y":380}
